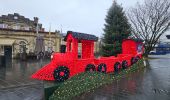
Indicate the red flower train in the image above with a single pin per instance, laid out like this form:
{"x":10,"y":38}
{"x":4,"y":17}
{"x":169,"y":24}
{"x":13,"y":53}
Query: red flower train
{"x":68,"y":64}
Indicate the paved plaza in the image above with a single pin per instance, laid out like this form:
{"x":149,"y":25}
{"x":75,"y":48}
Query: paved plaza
{"x":151,"y":83}
{"x":15,"y":81}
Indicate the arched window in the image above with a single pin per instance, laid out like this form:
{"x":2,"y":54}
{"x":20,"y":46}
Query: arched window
{"x":22,"y":47}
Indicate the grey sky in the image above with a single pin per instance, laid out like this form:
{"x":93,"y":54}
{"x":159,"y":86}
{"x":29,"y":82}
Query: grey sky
{"x":77,"y":15}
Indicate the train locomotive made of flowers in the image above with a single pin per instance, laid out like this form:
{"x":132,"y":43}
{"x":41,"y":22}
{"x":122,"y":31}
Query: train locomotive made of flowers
{"x":68,"y":64}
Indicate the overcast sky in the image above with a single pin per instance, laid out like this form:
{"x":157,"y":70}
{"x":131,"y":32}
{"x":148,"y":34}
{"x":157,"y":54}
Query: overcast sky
{"x":85,"y":16}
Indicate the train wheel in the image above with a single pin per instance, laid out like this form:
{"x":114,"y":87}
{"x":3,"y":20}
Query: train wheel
{"x":117,"y":67}
{"x":124,"y":64}
{"x":133,"y":60}
{"x":61,"y":74}
{"x":102,"y":68}
{"x":90,"y":68}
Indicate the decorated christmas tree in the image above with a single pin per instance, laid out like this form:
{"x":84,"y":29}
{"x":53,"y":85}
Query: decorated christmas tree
{"x":116,"y":29}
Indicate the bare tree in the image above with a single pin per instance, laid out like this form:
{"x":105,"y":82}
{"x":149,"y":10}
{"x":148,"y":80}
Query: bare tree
{"x":150,"y":21}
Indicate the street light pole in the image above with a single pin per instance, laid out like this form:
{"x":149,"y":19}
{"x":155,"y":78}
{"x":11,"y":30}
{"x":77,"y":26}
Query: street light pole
{"x":50,"y":40}
{"x":37,"y":54}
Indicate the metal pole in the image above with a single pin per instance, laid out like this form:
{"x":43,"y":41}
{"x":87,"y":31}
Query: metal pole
{"x":37,"y":38}
{"x":50,"y":40}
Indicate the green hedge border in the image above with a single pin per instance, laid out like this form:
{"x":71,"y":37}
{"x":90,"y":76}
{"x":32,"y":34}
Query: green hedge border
{"x":86,"y":82}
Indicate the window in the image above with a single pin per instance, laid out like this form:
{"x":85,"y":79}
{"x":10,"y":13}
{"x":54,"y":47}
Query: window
{"x":139,"y":48}
{"x":15,"y":17}
{"x":16,"y":27}
{"x":22,"y":47}
{"x":50,"y":49}
{"x":26,"y":28}
{"x":79,"y":50}
{"x":3,"y":25}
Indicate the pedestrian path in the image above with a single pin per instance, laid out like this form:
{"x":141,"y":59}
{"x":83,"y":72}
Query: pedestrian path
{"x":16,"y":84}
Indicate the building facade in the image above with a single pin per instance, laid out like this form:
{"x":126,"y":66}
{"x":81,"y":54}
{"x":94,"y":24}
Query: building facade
{"x":18,"y":34}
{"x":19,"y":22}
{"x":162,"y":47}
{"x":15,"y":41}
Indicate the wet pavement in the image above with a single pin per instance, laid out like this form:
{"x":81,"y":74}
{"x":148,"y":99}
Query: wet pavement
{"x":15,"y":81}
{"x":150,"y":83}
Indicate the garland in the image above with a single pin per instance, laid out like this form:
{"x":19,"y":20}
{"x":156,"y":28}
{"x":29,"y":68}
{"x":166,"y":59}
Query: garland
{"x":88,"y":82}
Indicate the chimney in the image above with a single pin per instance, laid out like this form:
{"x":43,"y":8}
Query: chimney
{"x":36,"y":19}
{"x":16,"y":14}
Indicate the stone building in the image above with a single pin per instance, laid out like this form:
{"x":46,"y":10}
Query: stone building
{"x":13,"y":42}
{"x":18,"y":33}
{"x":19,"y":22}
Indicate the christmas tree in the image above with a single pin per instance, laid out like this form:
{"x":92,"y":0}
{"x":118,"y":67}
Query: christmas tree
{"x":116,"y":29}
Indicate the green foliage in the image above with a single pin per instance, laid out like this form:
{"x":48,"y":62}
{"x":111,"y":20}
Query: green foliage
{"x":116,"y":29}
{"x":86,"y":82}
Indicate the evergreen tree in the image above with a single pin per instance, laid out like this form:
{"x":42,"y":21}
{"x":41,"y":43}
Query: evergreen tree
{"x":116,"y":29}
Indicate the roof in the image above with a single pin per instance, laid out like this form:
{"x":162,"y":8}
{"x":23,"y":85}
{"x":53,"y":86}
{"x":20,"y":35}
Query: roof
{"x":163,"y":46}
{"x":12,"y":19}
{"x":81,"y":36}
{"x":138,"y":40}
{"x":134,"y":39}
{"x":19,"y":18}
{"x":168,"y":36}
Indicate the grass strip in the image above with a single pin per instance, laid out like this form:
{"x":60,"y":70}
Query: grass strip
{"x":86,"y":82}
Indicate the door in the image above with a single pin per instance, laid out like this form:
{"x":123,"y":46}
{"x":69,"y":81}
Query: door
{"x":8,"y":52}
